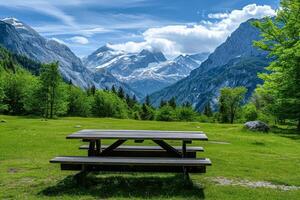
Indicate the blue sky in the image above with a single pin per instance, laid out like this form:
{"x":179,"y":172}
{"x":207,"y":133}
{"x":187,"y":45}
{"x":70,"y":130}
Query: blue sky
{"x":171,"y":26}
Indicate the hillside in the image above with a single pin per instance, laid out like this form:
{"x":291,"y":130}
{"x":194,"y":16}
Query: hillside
{"x":234,"y":63}
{"x":21,"y":39}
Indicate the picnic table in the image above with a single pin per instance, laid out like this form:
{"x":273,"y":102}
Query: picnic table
{"x":118,"y":157}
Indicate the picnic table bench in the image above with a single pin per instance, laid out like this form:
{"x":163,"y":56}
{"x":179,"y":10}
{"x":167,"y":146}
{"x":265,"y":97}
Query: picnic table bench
{"x":118,"y":157}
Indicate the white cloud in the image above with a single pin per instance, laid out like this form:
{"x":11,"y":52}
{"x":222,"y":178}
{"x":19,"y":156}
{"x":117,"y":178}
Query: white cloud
{"x":58,"y":40}
{"x":217,"y":15}
{"x":45,"y":7}
{"x":203,"y":37}
{"x":79,"y":40}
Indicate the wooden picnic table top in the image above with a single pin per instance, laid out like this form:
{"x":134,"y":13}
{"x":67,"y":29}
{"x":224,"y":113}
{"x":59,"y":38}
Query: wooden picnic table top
{"x":94,"y":134}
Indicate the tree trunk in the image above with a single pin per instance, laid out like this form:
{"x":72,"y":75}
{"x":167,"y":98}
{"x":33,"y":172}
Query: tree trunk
{"x":232,"y":113}
{"x":298,"y":127}
{"x":46,"y":109}
{"x":52,"y":103}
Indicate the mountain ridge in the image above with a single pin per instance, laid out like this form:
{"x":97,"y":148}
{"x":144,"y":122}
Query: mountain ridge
{"x":204,"y":83}
{"x":145,"y":71}
{"x":21,"y":39}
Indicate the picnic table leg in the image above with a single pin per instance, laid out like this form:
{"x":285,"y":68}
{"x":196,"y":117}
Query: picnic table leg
{"x":80,"y":177}
{"x":112,"y":147}
{"x":98,"y":147}
{"x":168,"y":148}
{"x":91,"y":151}
{"x":185,"y":171}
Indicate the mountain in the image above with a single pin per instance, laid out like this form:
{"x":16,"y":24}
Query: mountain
{"x":21,"y":39}
{"x":234,"y":63}
{"x":146,"y":71}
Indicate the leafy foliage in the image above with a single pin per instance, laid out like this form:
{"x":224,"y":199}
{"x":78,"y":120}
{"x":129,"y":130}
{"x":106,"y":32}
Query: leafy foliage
{"x":79,"y":102}
{"x":280,"y":37}
{"x":230,"y":100}
{"x":108,"y":104}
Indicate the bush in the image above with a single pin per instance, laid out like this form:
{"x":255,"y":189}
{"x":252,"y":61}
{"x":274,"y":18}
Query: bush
{"x":108,"y":104}
{"x":166,"y":113}
{"x":147,"y":112}
{"x":250,"y":112}
{"x":265,"y":118}
{"x":204,"y":118}
{"x":186,"y":114}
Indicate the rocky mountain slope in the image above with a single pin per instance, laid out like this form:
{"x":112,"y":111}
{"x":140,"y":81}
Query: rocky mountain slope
{"x":234,"y":63}
{"x":21,"y":39}
{"x":145,"y":71}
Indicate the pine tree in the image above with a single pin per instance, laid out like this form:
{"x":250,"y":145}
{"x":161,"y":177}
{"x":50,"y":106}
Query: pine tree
{"x":162,"y":103}
{"x":129,"y":101}
{"x":207,"y":110}
{"x":134,"y":99}
{"x":147,"y":101}
{"x":113,"y":89}
{"x":93,"y":90}
{"x":121,"y":93}
{"x":172,"y":102}
{"x":187,"y":104}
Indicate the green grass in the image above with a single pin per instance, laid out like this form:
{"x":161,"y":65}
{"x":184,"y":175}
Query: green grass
{"x":27,"y":144}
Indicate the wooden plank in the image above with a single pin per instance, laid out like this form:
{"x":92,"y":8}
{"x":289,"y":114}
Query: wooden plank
{"x":131,"y":161}
{"x":137,"y":153}
{"x":112,"y":147}
{"x":138,"y":135}
{"x":140,"y":168}
{"x":168,"y":148}
{"x":145,"y":148}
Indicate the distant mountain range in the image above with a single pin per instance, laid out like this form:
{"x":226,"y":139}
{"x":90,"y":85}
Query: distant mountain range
{"x":234,"y":63}
{"x":190,"y":78}
{"x":146,"y":71}
{"x":21,"y":39}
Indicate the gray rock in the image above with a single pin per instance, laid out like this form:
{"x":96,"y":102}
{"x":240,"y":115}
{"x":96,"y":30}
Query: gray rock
{"x":257,"y":126}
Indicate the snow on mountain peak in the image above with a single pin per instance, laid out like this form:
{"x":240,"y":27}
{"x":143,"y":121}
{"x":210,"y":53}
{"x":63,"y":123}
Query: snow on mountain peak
{"x":15,"y":22}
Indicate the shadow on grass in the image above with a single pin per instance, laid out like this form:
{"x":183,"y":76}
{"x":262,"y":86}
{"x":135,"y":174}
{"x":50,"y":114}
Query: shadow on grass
{"x":290,"y":133}
{"x":127,"y":186}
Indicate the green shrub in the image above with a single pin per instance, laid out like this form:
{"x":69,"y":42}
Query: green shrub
{"x":108,"y":104}
{"x":166,"y":113}
{"x":185,"y":114}
{"x":79,"y":102}
{"x":249,"y":112}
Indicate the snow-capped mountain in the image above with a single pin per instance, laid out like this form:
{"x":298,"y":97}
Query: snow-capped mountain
{"x":144,"y":72}
{"x":21,"y":39}
{"x":234,"y":63}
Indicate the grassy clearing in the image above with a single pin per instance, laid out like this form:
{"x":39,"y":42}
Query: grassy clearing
{"x":27,"y":144}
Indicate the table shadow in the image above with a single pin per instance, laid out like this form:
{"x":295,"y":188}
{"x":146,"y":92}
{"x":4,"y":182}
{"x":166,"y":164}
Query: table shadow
{"x":127,"y":186}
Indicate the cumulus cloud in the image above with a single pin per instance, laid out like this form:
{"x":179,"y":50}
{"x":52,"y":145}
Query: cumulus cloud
{"x":79,"y":40}
{"x":196,"y":38}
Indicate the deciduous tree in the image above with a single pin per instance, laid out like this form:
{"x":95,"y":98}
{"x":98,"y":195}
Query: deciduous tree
{"x":281,"y":38}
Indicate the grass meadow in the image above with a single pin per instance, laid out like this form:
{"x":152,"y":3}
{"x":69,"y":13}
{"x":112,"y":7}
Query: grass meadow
{"x":239,"y":158}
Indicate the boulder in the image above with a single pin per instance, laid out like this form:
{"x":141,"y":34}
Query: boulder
{"x":257,"y":126}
